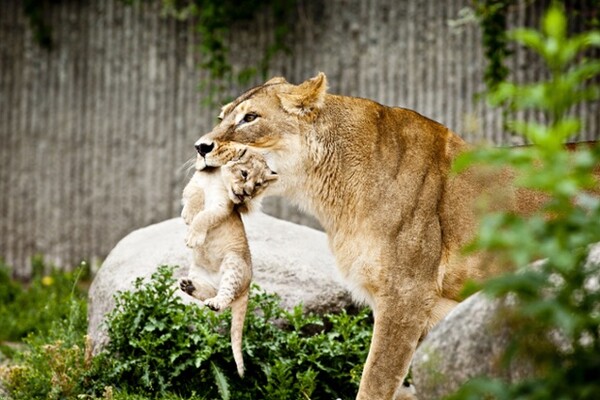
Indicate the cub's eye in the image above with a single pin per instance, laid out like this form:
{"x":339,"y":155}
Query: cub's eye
{"x":258,"y":184}
{"x":250,"y":117}
{"x":244,"y":174}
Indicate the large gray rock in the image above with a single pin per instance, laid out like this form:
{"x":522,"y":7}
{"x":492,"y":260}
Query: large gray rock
{"x":471,"y":342}
{"x":290,"y":260}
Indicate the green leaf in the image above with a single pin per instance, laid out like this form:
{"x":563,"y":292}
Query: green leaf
{"x":528,"y":37}
{"x":555,"y":23}
{"x":221,"y":382}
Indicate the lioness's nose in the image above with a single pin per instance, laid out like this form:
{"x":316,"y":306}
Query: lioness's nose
{"x":204,"y":148}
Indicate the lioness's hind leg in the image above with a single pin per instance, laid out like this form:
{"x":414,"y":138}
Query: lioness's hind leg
{"x":441,"y":308}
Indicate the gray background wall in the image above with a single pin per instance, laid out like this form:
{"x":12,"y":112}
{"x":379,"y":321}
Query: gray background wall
{"x":94,"y":133}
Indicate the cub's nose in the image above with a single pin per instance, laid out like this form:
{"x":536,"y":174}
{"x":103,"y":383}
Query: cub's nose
{"x":204,"y":148}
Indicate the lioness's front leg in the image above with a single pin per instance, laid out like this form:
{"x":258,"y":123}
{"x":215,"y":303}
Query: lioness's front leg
{"x":400,"y":319}
{"x":403,"y":288}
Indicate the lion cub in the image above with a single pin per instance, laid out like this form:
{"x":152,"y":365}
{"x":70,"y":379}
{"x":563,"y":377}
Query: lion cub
{"x":221,"y":269}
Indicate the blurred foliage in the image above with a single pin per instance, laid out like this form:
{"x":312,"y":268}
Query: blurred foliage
{"x":493,"y":20}
{"x":33,"y":308}
{"x":492,"y":16}
{"x":34,"y":11}
{"x":556,"y":318}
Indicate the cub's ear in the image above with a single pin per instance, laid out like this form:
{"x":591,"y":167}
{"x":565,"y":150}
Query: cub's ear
{"x":307,"y":98}
{"x":271,"y":176}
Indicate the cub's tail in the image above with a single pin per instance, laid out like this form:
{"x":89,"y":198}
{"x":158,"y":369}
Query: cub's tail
{"x":238,"y":316}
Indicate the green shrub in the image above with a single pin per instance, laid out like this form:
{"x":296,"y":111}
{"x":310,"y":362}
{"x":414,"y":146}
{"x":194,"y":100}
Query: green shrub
{"x":158,"y":344}
{"x":54,"y":358}
{"x":557,"y":315}
{"x":162,"y":348}
{"x":33,"y":308}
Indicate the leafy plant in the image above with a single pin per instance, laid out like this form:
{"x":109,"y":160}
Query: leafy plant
{"x":158,"y":344}
{"x":557,"y":315}
{"x":492,"y":16}
{"x":34,"y":11}
{"x":493,"y":21}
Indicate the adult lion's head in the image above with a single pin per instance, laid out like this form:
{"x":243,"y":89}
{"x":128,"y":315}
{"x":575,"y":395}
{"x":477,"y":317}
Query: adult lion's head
{"x":270,"y":118}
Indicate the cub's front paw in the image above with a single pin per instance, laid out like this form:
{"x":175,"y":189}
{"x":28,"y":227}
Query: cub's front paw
{"x":237,"y":194}
{"x":187,"y":215}
{"x":195,"y":239}
{"x":187,"y":286}
{"x":213,"y":304}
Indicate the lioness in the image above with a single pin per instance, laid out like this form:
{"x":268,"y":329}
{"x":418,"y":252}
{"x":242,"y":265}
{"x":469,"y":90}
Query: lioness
{"x":378,"y":179}
{"x":221,"y":270}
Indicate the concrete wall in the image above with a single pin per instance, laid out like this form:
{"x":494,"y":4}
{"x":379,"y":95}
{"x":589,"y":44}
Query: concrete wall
{"x":95,"y":133}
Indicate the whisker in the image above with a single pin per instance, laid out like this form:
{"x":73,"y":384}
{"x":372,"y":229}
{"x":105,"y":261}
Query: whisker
{"x":187,"y":166}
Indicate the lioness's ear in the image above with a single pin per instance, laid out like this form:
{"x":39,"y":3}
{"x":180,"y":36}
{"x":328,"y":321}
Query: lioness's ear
{"x":276,"y":80}
{"x":306,"y":98}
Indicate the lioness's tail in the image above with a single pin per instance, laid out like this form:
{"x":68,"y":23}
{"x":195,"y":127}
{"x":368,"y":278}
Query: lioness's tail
{"x":238,"y":316}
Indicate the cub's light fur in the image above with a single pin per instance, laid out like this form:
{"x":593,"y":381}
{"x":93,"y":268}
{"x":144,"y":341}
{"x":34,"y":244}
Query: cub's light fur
{"x":221,"y":270}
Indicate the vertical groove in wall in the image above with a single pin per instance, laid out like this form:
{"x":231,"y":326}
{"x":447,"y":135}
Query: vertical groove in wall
{"x":4,"y":115}
{"x":95,"y":132}
{"x":7,"y":99}
{"x":9,"y":131}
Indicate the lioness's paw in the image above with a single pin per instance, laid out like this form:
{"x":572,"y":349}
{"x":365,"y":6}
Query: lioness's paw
{"x":195,"y":239}
{"x":187,"y":286}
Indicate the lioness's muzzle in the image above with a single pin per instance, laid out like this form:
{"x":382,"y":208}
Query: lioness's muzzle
{"x":204,"y":148}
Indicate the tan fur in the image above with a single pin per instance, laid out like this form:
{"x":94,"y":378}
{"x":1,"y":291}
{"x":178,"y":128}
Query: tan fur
{"x":378,"y":179}
{"x":221,"y":270}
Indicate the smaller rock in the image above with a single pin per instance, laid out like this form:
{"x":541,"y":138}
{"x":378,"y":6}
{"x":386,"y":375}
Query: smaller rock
{"x":470,"y":342}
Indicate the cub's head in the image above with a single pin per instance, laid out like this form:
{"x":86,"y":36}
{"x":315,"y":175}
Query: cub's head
{"x":268,"y":118}
{"x":247,"y":176}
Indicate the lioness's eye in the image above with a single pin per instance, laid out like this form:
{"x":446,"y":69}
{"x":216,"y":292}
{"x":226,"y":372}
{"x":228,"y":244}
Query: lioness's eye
{"x":250,"y":117}
{"x":244,"y":174}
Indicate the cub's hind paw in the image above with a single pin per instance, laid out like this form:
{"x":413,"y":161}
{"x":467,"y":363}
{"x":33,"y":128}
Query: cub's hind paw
{"x":187,"y":286}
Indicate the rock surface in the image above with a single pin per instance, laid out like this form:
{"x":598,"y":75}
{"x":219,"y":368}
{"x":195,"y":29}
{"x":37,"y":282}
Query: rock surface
{"x":470,"y":342}
{"x":466,"y":344}
{"x":290,"y":260}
